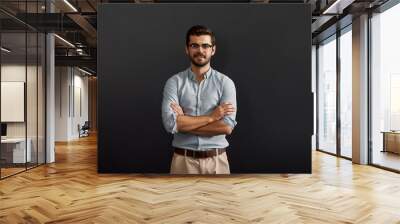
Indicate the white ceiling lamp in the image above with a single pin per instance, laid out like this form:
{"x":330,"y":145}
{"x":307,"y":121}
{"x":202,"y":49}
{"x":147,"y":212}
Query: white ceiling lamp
{"x":70,"y":5}
{"x":86,"y":72}
{"x":337,"y":7}
{"x":5,"y":50}
{"x":65,"y":41}
{"x":80,"y":51}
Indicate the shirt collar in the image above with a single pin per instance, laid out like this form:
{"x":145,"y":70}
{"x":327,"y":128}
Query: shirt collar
{"x":192,"y":75}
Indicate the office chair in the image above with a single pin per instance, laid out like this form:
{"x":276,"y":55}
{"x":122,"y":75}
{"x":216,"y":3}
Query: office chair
{"x":84,"y":130}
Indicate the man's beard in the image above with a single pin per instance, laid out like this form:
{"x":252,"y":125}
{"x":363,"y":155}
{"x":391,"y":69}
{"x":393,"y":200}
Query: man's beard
{"x":199,"y":64}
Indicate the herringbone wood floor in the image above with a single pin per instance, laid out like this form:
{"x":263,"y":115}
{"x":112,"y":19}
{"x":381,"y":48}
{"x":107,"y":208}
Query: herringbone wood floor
{"x":71,"y":191}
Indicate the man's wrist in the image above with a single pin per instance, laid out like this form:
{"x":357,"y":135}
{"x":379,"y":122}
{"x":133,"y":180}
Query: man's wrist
{"x":211,"y":119}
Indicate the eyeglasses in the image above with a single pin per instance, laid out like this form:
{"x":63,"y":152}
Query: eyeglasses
{"x":197,"y":46}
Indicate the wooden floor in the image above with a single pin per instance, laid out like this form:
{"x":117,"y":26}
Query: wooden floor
{"x":71,"y":191}
{"x":5,"y":172}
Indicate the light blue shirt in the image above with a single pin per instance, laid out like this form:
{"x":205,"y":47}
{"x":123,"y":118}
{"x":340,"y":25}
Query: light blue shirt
{"x":197,"y":99}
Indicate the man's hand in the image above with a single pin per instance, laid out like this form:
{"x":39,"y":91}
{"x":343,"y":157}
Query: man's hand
{"x":222,"y":110}
{"x":177,"y":109}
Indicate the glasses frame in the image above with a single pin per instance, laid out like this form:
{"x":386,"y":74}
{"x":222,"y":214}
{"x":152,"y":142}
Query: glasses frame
{"x":196,"y":46}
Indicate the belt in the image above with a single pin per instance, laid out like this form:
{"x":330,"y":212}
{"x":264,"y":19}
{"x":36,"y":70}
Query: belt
{"x":199,"y":154}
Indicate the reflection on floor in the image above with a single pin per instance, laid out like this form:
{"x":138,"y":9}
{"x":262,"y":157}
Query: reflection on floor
{"x":346,"y":152}
{"x":10,"y":169}
{"x":386,"y":159}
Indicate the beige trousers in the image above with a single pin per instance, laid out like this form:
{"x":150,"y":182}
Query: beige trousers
{"x":188,"y":165}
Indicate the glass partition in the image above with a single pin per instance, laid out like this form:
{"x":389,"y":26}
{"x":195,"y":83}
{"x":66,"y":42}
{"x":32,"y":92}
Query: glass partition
{"x":346,"y":93}
{"x":385,"y":88}
{"x":14,"y":153}
{"x":327,"y":95}
{"x":22,"y":77}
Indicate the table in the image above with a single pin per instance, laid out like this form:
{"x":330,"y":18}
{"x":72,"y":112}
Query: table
{"x":391,"y":141}
{"x":13,"y":150}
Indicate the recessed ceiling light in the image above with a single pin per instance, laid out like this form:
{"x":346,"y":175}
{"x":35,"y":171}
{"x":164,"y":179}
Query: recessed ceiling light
{"x":337,"y":7}
{"x":70,"y":5}
{"x":84,"y":71}
{"x":5,"y":50}
{"x":64,"y":40}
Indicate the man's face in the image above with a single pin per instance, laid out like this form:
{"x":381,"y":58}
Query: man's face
{"x":200,"y":50}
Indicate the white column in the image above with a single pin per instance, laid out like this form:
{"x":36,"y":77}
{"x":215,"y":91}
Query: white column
{"x":50,"y":100}
{"x":50,"y":93}
{"x":360,"y":90}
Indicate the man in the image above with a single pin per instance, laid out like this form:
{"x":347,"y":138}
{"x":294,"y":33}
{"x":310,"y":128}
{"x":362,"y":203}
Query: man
{"x":199,"y":108}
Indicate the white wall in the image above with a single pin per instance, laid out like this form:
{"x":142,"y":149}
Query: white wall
{"x":62,"y":81}
{"x":12,"y":73}
{"x":17,"y":73}
{"x":80,"y":110}
{"x":71,"y":94}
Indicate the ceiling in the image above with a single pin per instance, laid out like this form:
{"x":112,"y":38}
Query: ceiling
{"x":76,"y":22}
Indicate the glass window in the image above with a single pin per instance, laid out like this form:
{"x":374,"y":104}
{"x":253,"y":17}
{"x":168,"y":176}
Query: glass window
{"x":327,"y":95}
{"x":22,"y":90}
{"x":385,"y":88}
{"x":346,"y":93}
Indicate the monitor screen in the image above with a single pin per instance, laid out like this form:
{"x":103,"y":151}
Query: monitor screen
{"x":3,"y":129}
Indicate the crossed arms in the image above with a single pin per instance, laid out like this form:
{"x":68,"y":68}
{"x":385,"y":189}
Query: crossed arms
{"x":207,"y":125}
{"x":220,"y":121}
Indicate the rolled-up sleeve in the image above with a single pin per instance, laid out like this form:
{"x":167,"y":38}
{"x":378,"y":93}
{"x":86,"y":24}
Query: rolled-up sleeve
{"x":229,"y":95}
{"x":170,"y":94}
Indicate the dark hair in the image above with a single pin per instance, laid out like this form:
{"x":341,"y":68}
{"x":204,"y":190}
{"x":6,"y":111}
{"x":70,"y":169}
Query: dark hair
{"x":199,"y":30}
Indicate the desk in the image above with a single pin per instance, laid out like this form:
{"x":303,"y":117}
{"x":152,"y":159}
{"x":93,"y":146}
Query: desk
{"x":13,"y":150}
{"x":391,"y":141}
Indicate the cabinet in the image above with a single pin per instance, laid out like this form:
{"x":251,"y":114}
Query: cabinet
{"x":391,"y":141}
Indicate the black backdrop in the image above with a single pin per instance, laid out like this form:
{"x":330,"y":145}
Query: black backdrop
{"x":264,"y":48}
